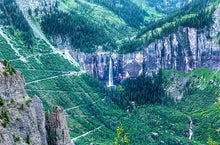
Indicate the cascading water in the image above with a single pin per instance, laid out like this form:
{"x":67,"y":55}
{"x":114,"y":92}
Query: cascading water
{"x":110,"y":81}
{"x":190,"y":128}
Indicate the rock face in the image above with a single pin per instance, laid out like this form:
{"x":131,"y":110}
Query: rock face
{"x":22,"y":119}
{"x":11,"y":86}
{"x":40,"y":115}
{"x":184,"y":50}
{"x":59,"y":128}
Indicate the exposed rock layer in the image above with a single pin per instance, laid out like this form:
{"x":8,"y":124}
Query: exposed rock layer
{"x":26,"y":116}
{"x":185,"y":50}
{"x":59,"y":128}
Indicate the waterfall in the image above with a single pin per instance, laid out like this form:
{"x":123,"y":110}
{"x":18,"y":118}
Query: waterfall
{"x":190,"y":128}
{"x":110,"y":81}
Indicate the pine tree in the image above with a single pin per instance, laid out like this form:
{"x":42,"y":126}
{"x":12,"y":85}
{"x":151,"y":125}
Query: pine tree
{"x":121,"y":138}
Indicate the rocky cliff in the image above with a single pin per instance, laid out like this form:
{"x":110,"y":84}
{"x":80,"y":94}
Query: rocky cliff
{"x":185,"y":50}
{"x":59,"y":128}
{"x":22,"y":119}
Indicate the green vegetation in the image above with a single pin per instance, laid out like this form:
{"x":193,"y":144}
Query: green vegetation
{"x":83,"y":33}
{"x":8,"y":69}
{"x":21,"y":108}
{"x":92,"y":108}
{"x":28,"y":101}
{"x":16,"y":138}
{"x":121,"y":138}
{"x":115,"y":27}
{"x":196,"y":14}
{"x":157,"y":124}
{"x":27,"y":139}
{"x":198,"y":101}
{"x":148,"y":113}
{"x":6,"y":51}
{"x":210,"y":141}
{"x":142,"y":90}
{"x":13,"y":16}
{"x":126,"y":9}
{"x":4,"y":117}
{"x":199,"y":96}
{"x":1,"y":101}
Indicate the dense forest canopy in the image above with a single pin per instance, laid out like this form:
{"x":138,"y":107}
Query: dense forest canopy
{"x":142,"y":90}
{"x":83,"y":34}
{"x":126,"y":9}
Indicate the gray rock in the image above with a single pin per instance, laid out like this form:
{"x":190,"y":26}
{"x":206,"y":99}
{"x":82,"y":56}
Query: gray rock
{"x":40,"y":115}
{"x":185,"y":50}
{"x":27,"y":116}
{"x":59,"y":128}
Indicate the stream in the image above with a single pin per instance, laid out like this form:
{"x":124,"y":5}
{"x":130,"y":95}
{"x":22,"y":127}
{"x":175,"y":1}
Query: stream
{"x":190,"y":128}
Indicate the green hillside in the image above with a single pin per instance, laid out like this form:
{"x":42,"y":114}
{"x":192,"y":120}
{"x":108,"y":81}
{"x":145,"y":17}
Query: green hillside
{"x":106,"y":21}
{"x":198,"y":90}
{"x":90,"y":108}
{"x":145,"y":106}
{"x":197,"y":14}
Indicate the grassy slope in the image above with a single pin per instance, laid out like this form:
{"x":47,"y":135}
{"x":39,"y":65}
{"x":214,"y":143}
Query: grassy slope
{"x":153,"y":11}
{"x":56,"y":87}
{"x":199,"y":101}
{"x":85,"y":95}
{"x":115,"y":27}
{"x":92,"y":110}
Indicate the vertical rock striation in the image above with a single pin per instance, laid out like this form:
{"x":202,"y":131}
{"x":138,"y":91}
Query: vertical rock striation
{"x":58,"y":127}
{"x":185,"y":50}
{"x":22,"y":119}
{"x":40,"y":116}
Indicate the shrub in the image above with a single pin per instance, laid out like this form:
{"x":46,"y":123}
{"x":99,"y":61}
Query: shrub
{"x":5,"y":74}
{"x":5,"y":122}
{"x":5,"y":117}
{"x":5,"y":62}
{"x":28,"y":139}
{"x":17,"y":139}
{"x":55,"y":107}
{"x":22,"y":107}
{"x":12,"y":101}
{"x":28,"y":101}
{"x":1,"y":101}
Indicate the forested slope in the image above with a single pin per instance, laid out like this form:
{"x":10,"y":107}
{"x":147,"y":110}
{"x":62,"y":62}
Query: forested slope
{"x":197,"y":14}
{"x":144,"y":106}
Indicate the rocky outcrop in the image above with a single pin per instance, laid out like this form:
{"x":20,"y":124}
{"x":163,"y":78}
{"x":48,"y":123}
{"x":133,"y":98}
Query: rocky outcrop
{"x":12,"y":86}
{"x":22,"y":119}
{"x":185,"y":50}
{"x":58,"y":127}
{"x":40,"y":116}
{"x":19,"y":114}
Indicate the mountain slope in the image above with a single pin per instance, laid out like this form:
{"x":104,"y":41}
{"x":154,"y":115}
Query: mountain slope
{"x":197,"y":14}
{"x":49,"y":63}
